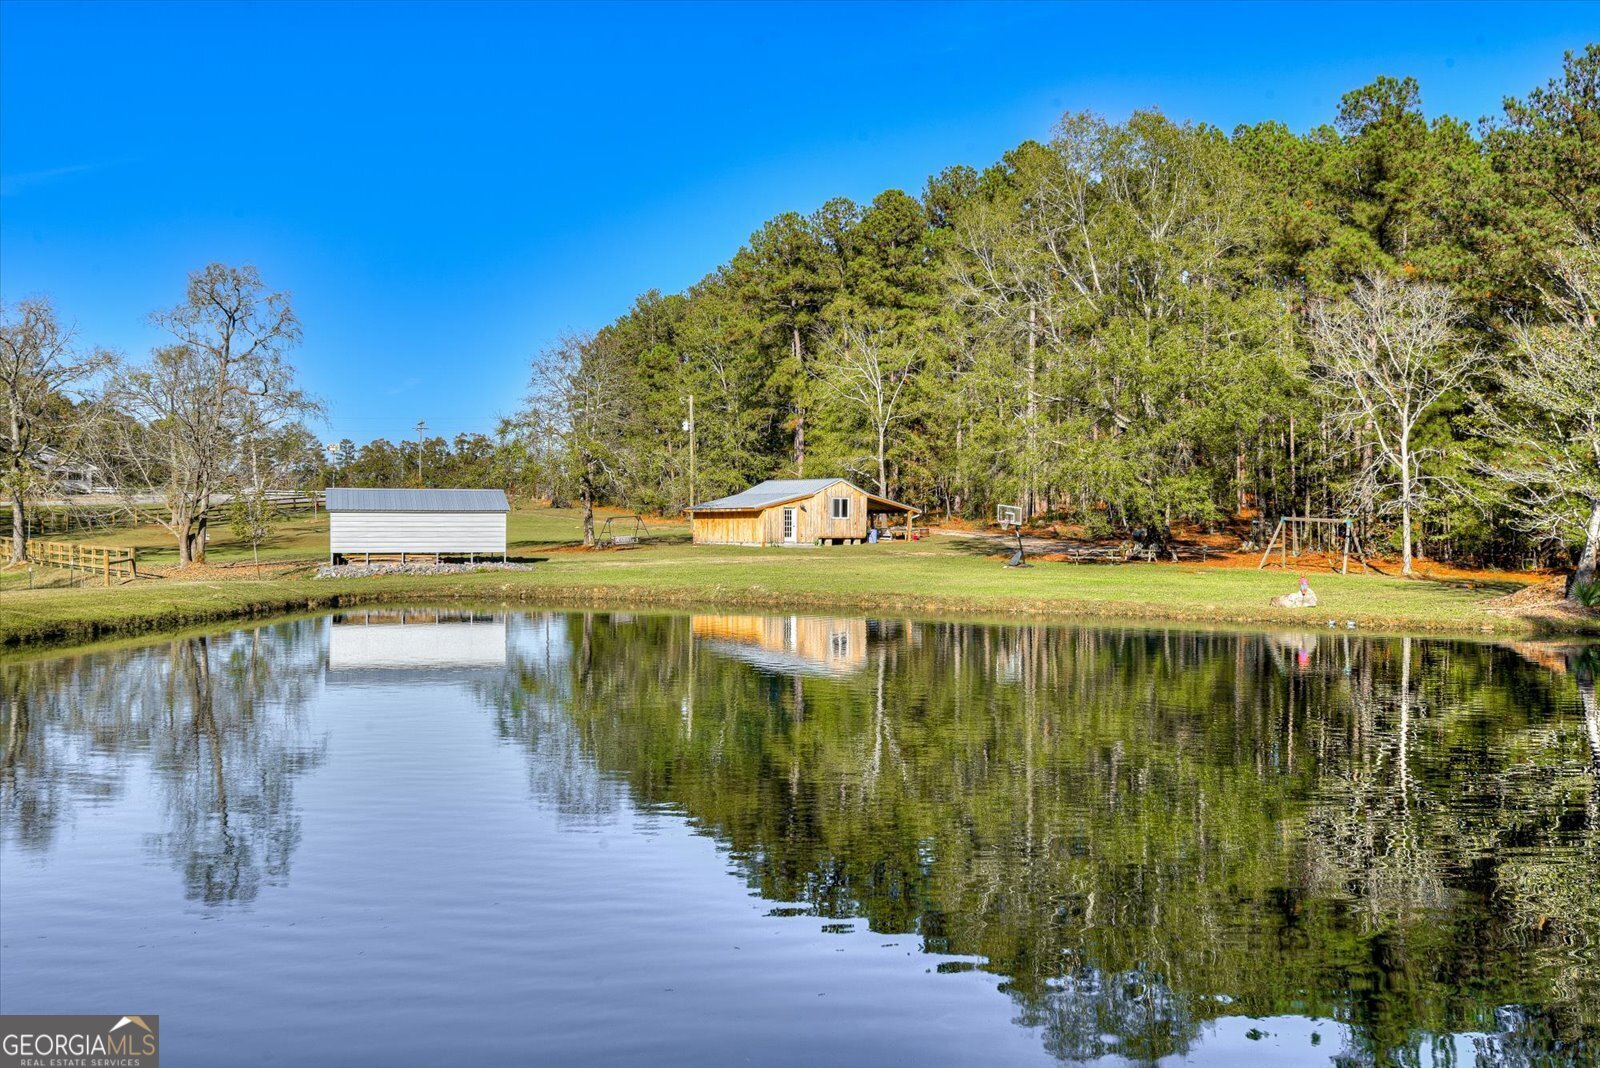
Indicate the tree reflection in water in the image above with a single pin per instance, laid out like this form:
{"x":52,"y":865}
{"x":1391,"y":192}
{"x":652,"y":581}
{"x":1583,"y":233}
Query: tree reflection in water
{"x":1141,"y":831}
{"x":1137,"y":831}
{"x":217,"y":719}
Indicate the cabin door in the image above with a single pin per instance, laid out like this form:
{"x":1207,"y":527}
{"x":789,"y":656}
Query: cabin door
{"x":790,"y":524}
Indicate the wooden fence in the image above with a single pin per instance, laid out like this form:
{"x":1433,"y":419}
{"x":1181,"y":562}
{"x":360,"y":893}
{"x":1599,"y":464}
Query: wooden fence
{"x":281,"y":500}
{"x":45,"y":520}
{"x":119,"y":560}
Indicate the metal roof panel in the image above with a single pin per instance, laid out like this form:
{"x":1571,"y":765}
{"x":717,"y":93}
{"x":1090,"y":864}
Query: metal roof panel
{"x":765,"y":494}
{"x":417,"y":500}
{"x":782,"y":490}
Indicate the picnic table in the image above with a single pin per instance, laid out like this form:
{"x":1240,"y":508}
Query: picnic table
{"x":1112,"y":554}
{"x":1127,"y":552}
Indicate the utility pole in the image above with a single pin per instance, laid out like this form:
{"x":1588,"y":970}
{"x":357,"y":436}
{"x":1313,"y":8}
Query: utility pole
{"x":421,"y":429}
{"x":336,"y":453}
{"x":689,"y":426}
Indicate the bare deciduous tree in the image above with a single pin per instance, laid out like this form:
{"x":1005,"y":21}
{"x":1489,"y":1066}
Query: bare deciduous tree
{"x":578,"y":412}
{"x":1547,"y":411}
{"x":1386,"y":356}
{"x":41,"y":369}
{"x":867,"y":368}
{"x":192,"y":409}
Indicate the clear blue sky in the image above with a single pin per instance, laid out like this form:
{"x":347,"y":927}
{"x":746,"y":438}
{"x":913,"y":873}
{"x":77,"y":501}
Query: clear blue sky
{"x":444,"y":189}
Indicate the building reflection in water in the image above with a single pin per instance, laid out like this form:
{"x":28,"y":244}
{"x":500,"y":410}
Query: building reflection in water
{"x":805,"y":645}
{"x":426,"y":640}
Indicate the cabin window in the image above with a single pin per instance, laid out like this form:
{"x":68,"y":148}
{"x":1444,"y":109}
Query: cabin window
{"x":840,"y":506}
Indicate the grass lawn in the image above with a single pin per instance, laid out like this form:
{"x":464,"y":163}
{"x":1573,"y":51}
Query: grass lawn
{"x":304,"y":537}
{"x":938,"y":574}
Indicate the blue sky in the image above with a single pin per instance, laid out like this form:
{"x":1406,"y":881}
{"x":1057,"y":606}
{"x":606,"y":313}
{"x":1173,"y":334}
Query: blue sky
{"x":446,"y":188}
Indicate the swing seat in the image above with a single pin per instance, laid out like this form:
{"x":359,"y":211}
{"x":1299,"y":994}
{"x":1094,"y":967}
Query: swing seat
{"x":612,"y":537}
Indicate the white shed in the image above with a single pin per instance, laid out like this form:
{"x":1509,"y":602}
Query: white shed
{"x":431,"y":522}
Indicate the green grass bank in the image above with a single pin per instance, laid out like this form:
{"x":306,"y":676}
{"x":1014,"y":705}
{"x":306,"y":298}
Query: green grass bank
{"x":938,"y":575}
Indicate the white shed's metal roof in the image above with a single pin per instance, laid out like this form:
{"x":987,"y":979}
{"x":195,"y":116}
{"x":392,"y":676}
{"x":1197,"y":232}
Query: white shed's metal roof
{"x":417,"y":500}
{"x":781,"y":490}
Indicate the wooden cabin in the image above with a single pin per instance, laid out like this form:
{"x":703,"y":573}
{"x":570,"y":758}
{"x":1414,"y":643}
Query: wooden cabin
{"x":416,"y":522}
{"x":799,"y":511}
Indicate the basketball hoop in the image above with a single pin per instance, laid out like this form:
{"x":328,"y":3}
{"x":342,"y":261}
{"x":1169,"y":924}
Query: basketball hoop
{"x":1009,"y":516}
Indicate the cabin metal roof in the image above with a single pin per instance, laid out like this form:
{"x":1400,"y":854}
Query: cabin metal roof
{"x":781,"y":491}
{"x":417,"y":500}
{"x":765,"y":494}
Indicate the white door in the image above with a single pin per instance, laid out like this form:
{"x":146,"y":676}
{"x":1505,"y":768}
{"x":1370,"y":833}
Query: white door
{"x":789,"y":524}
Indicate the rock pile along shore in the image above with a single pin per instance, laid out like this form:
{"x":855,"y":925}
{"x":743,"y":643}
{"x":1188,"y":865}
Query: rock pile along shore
{"x":332,"y":571}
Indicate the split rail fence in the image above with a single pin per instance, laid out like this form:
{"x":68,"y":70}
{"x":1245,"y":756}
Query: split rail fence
{"x":108,"y":560}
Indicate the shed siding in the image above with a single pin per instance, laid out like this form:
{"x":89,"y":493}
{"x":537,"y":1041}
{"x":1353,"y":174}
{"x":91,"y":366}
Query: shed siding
{"x":728,"y":528}
{"x":820,"y":508}
{"x":417,"y":532}
{"x":814,"y":517}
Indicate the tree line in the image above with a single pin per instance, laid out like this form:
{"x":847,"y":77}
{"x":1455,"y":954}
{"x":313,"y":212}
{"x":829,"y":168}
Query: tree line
{"x":1149,"y":323}
{"x":1146,"y":323}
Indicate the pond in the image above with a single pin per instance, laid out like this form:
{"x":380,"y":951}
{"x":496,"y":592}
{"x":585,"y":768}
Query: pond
{"x":445,"y":837}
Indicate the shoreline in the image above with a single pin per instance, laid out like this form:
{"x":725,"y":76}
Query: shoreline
{"x":59,"y":618}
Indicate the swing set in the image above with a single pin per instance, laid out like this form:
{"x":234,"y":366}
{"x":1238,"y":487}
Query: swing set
{"x":622,"y":532}
{"x":1317,"y":530}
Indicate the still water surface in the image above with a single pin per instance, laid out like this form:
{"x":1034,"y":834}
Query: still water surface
{"x":563,"y":838}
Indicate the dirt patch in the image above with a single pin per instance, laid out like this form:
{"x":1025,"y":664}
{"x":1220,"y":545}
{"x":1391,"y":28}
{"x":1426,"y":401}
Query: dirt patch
{"x":1049,"y":542}
{"x":229,"y":572}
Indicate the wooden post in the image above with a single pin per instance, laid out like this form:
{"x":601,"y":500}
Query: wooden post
{"x":1267,"y":552}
